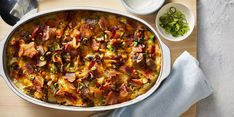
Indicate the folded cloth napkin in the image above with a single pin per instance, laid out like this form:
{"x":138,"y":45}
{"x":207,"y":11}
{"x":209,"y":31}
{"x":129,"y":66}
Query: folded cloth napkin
{"x":184,"y":86}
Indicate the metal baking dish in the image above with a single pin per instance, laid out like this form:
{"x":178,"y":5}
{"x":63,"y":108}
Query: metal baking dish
{"x":165,"y":69}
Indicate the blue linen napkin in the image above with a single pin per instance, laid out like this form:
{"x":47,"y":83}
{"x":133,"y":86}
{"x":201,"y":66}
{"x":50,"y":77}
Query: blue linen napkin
{"x":185,"y":86}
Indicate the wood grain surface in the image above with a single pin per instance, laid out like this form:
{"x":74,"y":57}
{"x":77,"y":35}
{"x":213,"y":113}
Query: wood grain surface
{"x":11,"y":105}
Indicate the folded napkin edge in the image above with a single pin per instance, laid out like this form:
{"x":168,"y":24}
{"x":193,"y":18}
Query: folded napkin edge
{"x":187,"y":55}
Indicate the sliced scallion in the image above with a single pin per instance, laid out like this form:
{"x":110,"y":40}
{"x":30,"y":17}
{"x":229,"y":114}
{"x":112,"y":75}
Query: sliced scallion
{"x":174,"y":22}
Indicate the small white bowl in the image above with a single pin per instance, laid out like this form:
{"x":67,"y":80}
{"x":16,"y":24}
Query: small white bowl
{"x":188,"y":15}
{"x":142,"y":7}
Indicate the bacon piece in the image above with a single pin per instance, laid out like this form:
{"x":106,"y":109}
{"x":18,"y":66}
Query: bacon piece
{"x":111,"y":98}
{"x":95,"y":45}
{"x":148,"y":74}
{"x":150,"y":63}
{"x":67,"y":57}
{"x":72,"y":24}
{"x":138,"y":57}
{"x":115,"y":42}
{"x":41,"y":50}
{"x":152,"y":49}
{"x":117,"y":34}
{"x":71,"y":44}
{"x":85,"y":91}
{"x":38,"y":81}
{"x":123,"y":90}
{"x":132,"y":24}
{"x":137,"y":81}
{"x":28,"y":50}
{"x":114,"y":28}
{"x":30,"y":89}
{"x":71,"y":77}
{"x":109,"y":33}
{"x":75,"y":33}
{"x":113,"y":73}
{"x":86,"y":31}
{"x":92,"y":63}
{"x":108,"y":86}
{"x":70,"y":96}
{"x":78,"y":61}
{"x":52,"y":23}
{"x":97,"y":73}
{"x":35,"y":31}
{"x":70,"y":86}
{"x":127,"y":69}
{"x":139,"y":36}
{"x":139,"y":48}
{"x":29,"y":68}
{"x":46,"y":33}
{"x":60,"y":92}
{"x":49,"y":33}
{"x":14,"y":41}
{"x":97,"y":92}
{"x":91,"y":21}
{"x":67,"y":88}
{"x":103,"y":23}
{"x":57,"y":58}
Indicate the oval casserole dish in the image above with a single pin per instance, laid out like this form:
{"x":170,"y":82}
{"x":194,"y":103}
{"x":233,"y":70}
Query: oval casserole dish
{"x":164,"y":69}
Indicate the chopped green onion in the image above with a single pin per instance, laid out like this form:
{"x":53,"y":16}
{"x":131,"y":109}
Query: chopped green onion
{"x":123,"y":19}
{"x":110,"y":47}
{"x":135,"y":43}
{"x":72,"y":69}
{"x":42,"y":58}
{"x":172,"y":10}
{"x":56,"y":85}
{"x":93,"y":68}
{"x":53,"y":68}
{"x":51,"y":48}
{"x":123,"y":44}
{"x":151,"y":37}
{"x":68,"y":65}
{"x":174,"y":22}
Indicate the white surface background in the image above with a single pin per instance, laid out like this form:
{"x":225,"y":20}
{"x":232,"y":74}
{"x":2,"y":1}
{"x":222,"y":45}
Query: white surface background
{"x":216,"y":55}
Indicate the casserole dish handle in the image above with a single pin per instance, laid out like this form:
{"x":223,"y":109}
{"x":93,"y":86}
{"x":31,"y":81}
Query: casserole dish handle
{"x":1,"y":57}
{"x":166,"y":68}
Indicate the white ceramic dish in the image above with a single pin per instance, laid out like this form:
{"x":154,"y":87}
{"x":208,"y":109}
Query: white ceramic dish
{"x":185,"y":10}
{"x":165,"y":69}
{"x":142,"y":7}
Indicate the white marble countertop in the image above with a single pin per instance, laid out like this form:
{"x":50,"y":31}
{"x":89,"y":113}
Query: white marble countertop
{"x":215,"y":53}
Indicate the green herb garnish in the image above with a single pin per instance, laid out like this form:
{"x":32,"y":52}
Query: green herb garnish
{"x":110,"y":47}
{"x":93,"y":68}
{"x":53,"y":68}
{"x":135,"y":43}
{"x":151,"y":37}
{"x":123,"y":19}
{"x":174,"y":22}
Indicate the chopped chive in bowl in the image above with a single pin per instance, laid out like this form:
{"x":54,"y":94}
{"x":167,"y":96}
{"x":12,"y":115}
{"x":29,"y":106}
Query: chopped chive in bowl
{"x":174,"y":22}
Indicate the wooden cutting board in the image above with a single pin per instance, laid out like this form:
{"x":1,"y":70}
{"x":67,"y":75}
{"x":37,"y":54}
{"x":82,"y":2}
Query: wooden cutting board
{"x":11,"y":105}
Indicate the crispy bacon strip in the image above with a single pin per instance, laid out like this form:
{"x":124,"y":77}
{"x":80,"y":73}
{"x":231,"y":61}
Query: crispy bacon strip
{"x":71,"y":77}
{"x":103,"y":23}
{"x":28,"y":50}
{"x":111,"y":98}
